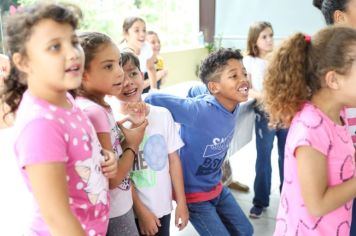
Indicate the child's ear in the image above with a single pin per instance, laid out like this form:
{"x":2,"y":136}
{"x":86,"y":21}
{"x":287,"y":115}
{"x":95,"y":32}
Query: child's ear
{"x":339,"y":16}
{"x":213,"y":87}
{"x":332,"y":80}
{"x":85,"y":76}
{"x":21,"y":62}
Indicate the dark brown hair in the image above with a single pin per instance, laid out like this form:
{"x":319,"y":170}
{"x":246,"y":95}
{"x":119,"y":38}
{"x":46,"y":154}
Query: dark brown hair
{"x":328,"y":8}
{"x":19,"y":30}
{"x":253,"y":34}
{"x":127,"y":57}
{"x":297,"y":70}
{"x":214,"y":64}
{"x":91,"y":42}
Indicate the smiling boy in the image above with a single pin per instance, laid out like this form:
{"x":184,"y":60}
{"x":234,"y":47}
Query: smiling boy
{"x":207,"y":125}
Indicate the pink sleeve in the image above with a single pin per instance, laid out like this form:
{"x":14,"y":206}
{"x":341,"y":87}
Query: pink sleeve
{"x":41,"y":141}
{"x":99,"y":118}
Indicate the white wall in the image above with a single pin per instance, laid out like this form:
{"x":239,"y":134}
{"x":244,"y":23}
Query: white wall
{"x":233,"y":18}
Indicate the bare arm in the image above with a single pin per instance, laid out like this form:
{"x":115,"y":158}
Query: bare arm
{"x":320,"y":198}
{"x":124,"y":165}
{"x":49,"y":185}
{"x":148,"y":222}
{"x":175,"y":170}
{"x":152,"y":74}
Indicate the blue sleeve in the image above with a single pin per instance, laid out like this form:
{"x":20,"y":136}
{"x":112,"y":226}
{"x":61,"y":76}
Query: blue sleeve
{"x":184,"y":110}
{"x":197,"y":90}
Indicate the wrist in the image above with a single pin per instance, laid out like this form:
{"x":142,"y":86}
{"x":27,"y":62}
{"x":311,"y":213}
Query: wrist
{"x":130,"y":149}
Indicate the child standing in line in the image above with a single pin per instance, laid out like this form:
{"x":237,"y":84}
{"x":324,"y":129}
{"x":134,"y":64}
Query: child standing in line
{"x":58,"y":152}
{"x":155,"y":42}
{"x":157,"y":167}
{"x":103,"y":75}
{"x":212,"y":208}
{"x":315,"y":79}
{"x":342,"y":12}
{"x":259,"y":45}
{"x":134,"y":30}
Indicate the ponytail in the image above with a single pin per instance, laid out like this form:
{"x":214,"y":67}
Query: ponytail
{"x":298,"y":69}
{"x":285,"y":86}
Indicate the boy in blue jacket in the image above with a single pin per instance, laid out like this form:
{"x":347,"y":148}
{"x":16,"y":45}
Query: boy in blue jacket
{"x":207,"y":125}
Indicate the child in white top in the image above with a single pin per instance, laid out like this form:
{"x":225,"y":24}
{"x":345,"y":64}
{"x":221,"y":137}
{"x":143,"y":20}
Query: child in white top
{"x":158,"y":166}
{"x":134,"y":30}
{"x":103,"y":75}
{"x":56,"y":147}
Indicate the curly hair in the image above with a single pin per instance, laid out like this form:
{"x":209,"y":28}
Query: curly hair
{"x":328,"y":7}
{"x":253,"y":34}
{"x":215,"y":63}
{"x":19,"y":30}
{"x":298,"y":67}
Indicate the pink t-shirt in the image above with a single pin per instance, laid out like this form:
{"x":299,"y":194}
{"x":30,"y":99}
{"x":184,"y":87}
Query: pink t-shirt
{"x":311,"y":127}
{"x":103,"y":121}
{"x":46,"y":133}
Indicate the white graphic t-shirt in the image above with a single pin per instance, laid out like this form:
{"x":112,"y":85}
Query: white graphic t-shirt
{"x":150,"y":173}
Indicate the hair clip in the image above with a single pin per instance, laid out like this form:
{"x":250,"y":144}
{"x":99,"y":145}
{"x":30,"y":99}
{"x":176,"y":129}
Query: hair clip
{"x":307,"y":38}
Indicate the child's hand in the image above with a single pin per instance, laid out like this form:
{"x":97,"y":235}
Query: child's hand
{"x":134,"y":112}
{"x":133,"y":136}
{"x":109,"y":166}
{"x":148,"y":223}
{"x":181,"y":216}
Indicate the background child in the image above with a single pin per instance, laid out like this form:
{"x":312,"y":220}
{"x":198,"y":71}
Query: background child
{"x":212,"y":208}
{"x":158,"y":166}
{"x":134,"y":30}
{"x":315,"y":80}
{"x":103,"y":75}
{"x":58,"y":152}
{"x":155,"y":42}
{"x":259,"y":45}
{"x":342,"y":12}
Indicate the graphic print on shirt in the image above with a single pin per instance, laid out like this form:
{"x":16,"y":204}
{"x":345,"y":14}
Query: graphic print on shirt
{"x":214,"y":154}
{"x":90,"y":172}
{"x":153,"y":156}
{"x":125,"y":183}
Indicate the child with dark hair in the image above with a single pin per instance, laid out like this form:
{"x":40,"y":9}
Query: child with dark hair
{"x":103,"y":75}
{"x":157,"y":171}
{"x":207,"y":125}
{"x":319,"y":169}
{"x":342,"y":12}
{"x":61,"y":160}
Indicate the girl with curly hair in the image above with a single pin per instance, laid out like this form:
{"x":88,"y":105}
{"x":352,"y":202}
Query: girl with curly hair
{"x":307,"y":86}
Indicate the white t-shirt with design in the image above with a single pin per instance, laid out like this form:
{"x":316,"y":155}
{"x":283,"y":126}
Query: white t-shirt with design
{"x":150,"y":173}
{"x":103,"y":121}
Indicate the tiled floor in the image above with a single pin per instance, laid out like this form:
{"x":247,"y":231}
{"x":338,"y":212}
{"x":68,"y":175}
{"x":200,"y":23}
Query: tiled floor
{"x":243,"y":164}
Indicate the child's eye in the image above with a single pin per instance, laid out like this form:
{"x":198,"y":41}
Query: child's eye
{"x":55,"y":47}
{"x":75,"y":42}
{"x":108,"y":67}
{"x":133,"y":74}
